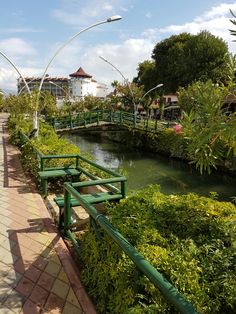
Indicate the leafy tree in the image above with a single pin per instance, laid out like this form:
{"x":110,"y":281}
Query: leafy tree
{"x":47,"y":103}
{"x":185,"y":58}
{"x":146,"y":75}
{"x":208,"y":124}
{"x":129,"y":95}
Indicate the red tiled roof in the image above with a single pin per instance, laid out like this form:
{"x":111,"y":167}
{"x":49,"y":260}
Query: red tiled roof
{"x":80,"y":73}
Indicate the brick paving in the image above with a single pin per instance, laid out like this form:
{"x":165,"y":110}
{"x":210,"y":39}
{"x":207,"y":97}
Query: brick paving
{"x":37,"y":272}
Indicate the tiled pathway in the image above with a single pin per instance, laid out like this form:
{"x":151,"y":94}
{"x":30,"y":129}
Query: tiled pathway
{"x":37,"y":273}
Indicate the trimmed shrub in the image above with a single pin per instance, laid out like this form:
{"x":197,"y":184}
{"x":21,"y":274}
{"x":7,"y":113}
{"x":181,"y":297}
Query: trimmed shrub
{"x":189,"y":239}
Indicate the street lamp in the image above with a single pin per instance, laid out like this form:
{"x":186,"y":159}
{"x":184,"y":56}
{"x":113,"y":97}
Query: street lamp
{"x":109,"y":20}
{"x":17,"y":70}
{"x":125,"y":80}
{"x":65,"y":91}
{"x":159,"y":85}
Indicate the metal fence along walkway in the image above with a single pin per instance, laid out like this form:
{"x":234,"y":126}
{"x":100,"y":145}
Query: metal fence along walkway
{"x":37,"y":272}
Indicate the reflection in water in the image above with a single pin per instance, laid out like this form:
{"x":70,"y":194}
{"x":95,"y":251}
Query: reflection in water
{"x":143,"y":169}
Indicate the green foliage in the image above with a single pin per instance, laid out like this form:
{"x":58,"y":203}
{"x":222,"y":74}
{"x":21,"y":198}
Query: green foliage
{"x":146,"y":75}
{"x":185,"y":58}
{"x":88,"y":103}
{"x":129,"y":95}
{"x":189,"y":239}
{"x":165,"y":141}
{"x":233,"y":31}
{"x":208,"y":125}
{"x":48,"y":143}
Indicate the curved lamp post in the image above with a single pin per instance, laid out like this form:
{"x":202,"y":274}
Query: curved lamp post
{"x":17,"y":70}
{"x":159,"y":85}
{"x":125,"y":80}
{"x":150,"y":90}
{"x":65,"y":91}
{"x":109,"y":20}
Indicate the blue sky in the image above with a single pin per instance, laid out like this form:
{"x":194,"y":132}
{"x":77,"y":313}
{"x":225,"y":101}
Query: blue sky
{"x":32,"y":31}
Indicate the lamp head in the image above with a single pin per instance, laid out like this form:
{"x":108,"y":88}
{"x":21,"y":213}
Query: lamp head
{"x":159,"y":85}
{"x":114,"y":18}
{"x":104,"y":59}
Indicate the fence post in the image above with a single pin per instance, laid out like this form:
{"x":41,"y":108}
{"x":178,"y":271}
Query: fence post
{"x":67,"y":210}
{"x":123,"y":188}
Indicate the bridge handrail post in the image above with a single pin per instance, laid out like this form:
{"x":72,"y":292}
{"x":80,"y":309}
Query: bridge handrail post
{"x":123,"y":188}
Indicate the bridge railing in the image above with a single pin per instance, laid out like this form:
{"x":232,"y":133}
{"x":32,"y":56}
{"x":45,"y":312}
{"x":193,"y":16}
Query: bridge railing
{"x":97,"y":117}
{"x":170,"y":293}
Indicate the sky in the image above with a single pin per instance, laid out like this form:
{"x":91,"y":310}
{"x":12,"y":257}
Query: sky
{"x":32,"y":31}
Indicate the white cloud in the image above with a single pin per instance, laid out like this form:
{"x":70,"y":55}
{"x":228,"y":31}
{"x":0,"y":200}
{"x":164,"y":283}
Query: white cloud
{"x":124,"y":56}
{"x":16,"y":47}
{"x":20,"y":30}
{"x":148,"y":15}
{"x":8,"y":79}
{"x":216,"y":21}
{"x":79,"y":13}
{"x":218,"y":11}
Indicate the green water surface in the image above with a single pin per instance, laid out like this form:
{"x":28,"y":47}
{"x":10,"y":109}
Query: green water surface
{"x":143,"y":169}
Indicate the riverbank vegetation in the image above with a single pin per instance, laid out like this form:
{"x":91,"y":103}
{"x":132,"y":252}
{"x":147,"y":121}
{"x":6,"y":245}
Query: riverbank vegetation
{"x":189,"y":239}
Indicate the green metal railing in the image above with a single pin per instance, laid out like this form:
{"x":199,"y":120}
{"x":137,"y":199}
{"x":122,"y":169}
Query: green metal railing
{"x":104,"y":176}
{"x":171,"y":294}
{"x":98,"y":117}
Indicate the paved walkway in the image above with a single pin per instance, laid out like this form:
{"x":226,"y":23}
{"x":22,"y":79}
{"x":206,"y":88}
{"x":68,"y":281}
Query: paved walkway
{"x":37,"y":273}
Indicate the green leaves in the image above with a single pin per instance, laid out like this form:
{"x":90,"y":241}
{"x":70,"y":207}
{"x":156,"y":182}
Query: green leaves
{"x":208,"y":124}
{"x":189,"y":239}
{"x":182,"y":59}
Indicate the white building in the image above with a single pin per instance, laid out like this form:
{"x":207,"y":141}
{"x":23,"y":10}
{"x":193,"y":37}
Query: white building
{"x":82,"y":84}
{"x":171,"y":98}
{"x":79,"y":84}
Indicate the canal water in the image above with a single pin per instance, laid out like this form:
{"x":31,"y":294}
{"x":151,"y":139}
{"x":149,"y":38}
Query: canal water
{"x":143,"y":169}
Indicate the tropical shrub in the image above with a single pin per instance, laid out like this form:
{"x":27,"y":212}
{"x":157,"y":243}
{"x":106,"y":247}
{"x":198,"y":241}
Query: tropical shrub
{"x":208,"y":125}
{"x":189,"y":239}
{"x":47,"y":143}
